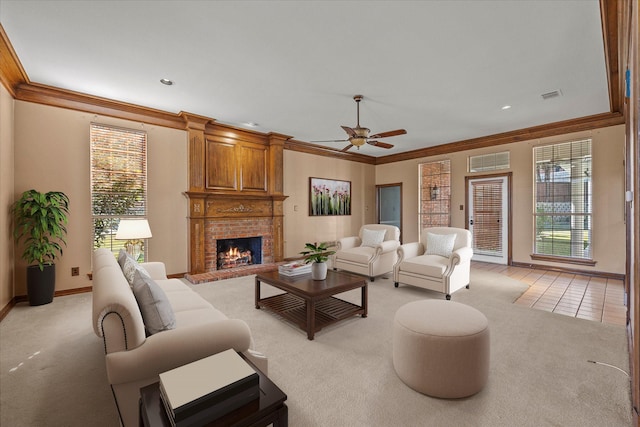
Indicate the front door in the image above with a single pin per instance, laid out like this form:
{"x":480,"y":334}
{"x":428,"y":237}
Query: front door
{"x":488,"y":208}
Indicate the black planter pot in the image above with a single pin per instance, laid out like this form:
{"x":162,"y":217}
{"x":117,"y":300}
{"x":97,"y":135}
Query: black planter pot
{"x":41,"y":284}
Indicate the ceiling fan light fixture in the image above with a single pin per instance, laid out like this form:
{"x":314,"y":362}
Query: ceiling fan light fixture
{"x":361,"y":132}
{"x":358,"y":136}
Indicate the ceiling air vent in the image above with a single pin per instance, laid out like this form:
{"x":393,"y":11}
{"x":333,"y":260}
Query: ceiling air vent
{"x":489,"y":162}
{"x":549,"y":95}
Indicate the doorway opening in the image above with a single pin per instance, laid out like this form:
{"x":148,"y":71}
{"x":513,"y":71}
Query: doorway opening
{"x":389,"y":205}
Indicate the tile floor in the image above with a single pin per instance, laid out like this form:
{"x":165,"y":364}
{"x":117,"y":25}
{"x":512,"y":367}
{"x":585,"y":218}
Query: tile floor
{"x":586,"y":297}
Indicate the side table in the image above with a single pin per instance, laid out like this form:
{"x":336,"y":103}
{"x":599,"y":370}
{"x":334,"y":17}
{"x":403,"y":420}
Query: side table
{"x":268,"y":409}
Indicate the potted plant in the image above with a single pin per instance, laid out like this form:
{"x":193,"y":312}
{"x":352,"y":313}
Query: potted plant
{"x":40,"y":222}
{"x":317,"y":254}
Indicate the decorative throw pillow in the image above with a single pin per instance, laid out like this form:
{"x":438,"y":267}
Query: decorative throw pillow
{"x":130,"y":267}
{"x":440,"y":244}
{"x":122,"y":257}
{"x":372,"y":238}
{"x":154,"y":306}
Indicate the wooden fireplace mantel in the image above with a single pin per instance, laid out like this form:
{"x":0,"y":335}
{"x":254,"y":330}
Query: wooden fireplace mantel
{"x":234,"y":175}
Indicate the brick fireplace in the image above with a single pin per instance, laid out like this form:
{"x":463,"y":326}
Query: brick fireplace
{"x":235,"y":192}
{"x":235,"y":229}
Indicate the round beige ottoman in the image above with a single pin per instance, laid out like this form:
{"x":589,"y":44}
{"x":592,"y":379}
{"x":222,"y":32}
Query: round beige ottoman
{"x":441,"y":348}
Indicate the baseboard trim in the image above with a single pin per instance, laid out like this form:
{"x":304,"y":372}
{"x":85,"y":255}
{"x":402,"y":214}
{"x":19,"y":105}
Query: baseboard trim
{"x":569,"y":270}
{"x":7,"y":308}
{"x":23,"y":298}
{"x":73,"y":291}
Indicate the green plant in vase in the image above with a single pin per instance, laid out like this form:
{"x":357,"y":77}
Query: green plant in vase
{"x":40,"y":222}
{"x":318,"y":255}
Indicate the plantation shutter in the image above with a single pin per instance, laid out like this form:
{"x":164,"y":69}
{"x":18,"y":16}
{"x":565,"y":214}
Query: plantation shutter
{"x":487,"y":212}
{"x":118,"y":180}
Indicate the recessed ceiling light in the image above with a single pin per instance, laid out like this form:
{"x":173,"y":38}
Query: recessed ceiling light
{"x":506,"y":107}
{"x":166,"y":82}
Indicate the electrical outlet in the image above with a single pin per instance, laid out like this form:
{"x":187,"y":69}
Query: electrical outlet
{"x":75,"y":271}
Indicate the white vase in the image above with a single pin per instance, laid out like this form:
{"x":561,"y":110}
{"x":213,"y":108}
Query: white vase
{"x":319,"y":270}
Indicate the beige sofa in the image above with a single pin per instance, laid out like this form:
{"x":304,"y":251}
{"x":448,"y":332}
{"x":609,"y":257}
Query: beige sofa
{"x":134,"y":359}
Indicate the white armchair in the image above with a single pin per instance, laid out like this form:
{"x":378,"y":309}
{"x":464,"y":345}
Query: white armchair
{"x":372,"y":253}
{"x":441,"y":261}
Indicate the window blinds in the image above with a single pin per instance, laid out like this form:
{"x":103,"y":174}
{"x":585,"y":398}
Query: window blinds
{"x":563,"y":199}
{"x":118,"y":178}
{"x":487,"y":212}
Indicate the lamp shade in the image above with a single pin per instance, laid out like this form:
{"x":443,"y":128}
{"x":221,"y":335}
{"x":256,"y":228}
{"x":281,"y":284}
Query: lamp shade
{"x":130,"y":229}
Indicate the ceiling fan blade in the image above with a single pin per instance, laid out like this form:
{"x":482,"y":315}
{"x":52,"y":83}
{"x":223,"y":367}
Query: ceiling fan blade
{"x":380,"y":144}
{"x":332,"y":140}
{"x":389,"y":133}
{"x":349,"y":131}
{"x":346,"y":148}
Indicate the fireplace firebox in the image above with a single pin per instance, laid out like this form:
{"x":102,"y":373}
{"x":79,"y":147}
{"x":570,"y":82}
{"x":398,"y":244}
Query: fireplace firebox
{"x":238,"y":252}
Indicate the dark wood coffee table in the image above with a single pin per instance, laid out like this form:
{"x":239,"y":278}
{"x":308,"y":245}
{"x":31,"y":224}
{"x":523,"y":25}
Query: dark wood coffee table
{"x":311,"y":303}
{"x":268,"y":409}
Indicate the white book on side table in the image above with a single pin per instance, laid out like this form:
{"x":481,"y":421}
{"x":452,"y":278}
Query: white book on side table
{"x":208,"y":386}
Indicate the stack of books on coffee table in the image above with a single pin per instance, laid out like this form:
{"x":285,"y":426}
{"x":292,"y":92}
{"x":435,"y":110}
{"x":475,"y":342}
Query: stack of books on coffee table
{"x":295,"y":268}
{"x":207,"y":389}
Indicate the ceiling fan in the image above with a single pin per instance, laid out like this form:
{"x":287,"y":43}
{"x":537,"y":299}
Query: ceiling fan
{"x":358,"y":136}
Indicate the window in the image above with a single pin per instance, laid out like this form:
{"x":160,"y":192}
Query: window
{"x":562,"y":216}
{"x":435,"y":194}
{"x":489,"y":162}
{"x":118,"y":181}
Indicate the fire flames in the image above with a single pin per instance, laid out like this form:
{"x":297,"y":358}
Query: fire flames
{"x":234,"y":257}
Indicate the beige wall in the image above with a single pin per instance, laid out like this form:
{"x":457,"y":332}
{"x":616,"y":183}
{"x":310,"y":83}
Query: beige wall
{"x":6,"y":196}
{"x":299,"y":227}
{"x":608,"y":188}
{"x":52,"y":153}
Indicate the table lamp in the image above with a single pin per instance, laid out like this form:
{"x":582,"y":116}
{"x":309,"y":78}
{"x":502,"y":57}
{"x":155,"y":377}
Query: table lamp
{"x":133,"y":231}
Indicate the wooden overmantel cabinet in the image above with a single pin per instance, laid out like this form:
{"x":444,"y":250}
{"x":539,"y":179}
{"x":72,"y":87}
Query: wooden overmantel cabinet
{"x":233,"y":174}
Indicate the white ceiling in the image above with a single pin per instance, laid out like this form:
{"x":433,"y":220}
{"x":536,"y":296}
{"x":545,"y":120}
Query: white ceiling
{"x":442,"y":70}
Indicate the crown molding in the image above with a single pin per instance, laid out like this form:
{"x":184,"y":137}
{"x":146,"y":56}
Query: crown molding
{"x":11,"y":72}
{"x":62,"y":98}
{"x":319,"y":150}
{"x":610,"y":16}
{"x":550,"y":129}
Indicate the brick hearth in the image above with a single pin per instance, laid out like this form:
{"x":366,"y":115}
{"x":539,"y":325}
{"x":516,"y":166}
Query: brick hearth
{"x":230,"y":273}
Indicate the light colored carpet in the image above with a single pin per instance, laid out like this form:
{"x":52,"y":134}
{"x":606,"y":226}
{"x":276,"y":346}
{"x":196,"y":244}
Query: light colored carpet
{"x":539,"y":372}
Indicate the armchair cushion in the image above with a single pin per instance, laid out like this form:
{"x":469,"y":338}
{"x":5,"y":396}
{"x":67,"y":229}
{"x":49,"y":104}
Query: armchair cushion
{"x":426,"y":265}
{"x":372,"y":238}
{"x":440,"y":244}
{"x":154,"y":305}
{"x":360,"y":254}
